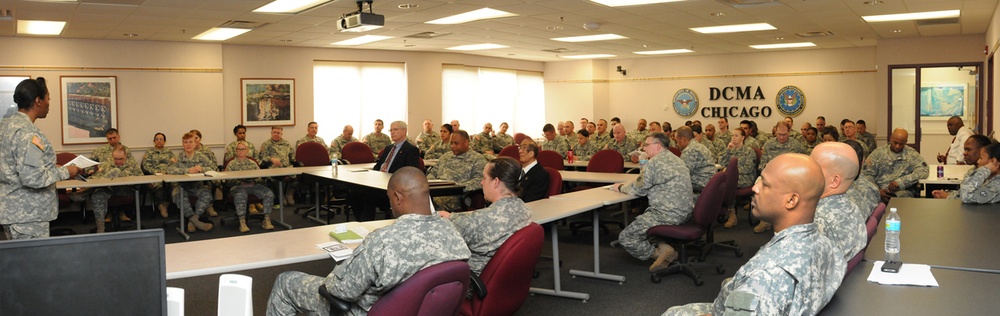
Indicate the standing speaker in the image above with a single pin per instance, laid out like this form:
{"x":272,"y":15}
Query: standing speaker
{"x":235,"y":295}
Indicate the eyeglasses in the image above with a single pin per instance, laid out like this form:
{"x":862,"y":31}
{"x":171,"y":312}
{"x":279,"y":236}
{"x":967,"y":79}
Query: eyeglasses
{"x":241,"y":149}
{"x":648,"y":144}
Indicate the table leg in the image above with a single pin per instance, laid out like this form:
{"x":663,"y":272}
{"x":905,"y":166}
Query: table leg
{"x":180,"y":229}
{"x":555,"y":272}
{"x":597,"y":257}
{"x":316,"y":207}
{"x":138,"y":211}
{"x":281,"y":203}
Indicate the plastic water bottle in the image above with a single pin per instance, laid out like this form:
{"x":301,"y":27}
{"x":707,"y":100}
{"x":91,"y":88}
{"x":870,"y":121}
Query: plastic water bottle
{"x":892,"y":236}
{"x":333,"y":163}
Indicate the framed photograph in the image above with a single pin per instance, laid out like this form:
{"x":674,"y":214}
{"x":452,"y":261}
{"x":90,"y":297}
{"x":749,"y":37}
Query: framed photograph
{"x":268,"y":102}
{"x":89,"y":108}
{"x":7,"y":85}
{"x":944,"y":100}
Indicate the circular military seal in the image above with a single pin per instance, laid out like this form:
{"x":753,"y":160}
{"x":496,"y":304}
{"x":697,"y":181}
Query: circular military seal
{"x":790,"y":101}
{"x":685,"y":102}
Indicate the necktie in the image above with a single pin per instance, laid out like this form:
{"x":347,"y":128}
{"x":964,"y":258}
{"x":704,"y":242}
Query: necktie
{"x":388,"y":159}
{"x":948,"y":152}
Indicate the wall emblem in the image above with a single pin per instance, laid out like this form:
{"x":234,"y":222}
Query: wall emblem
{"x":790,"y":101}
{"x":685,"y":102}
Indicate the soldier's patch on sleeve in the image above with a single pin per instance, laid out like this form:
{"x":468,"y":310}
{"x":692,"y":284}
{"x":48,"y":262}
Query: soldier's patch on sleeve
{"x":38,"y":142}
{"x":33,"y":156}
{"x":741,"y":303}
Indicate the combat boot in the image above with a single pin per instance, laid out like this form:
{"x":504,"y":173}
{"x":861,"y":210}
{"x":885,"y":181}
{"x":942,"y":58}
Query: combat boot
{"x":252,"y":209}
{"x":762,"y":227}
{"x":732,"y":221}
{"x":267,"y":223}
{"x":211,"y":210}
{"x":196,"y":223}
{"x":163,"y":210}
{"x":100,"y":226}
{"x":665,"y":254}
{"x":243,"y":225}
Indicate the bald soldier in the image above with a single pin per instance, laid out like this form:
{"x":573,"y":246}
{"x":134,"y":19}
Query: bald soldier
{"x":427,"y":138}
{"x":795,"y":273}
{"x":338,"y":142}
{"x":895,"y":168}
{"x":621,"y":143}
{"x":837,"y":216}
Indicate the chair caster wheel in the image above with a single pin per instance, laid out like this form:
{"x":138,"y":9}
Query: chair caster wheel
{"x":739,"y":253}
{"x":720,"y":270}
{"x":654,"y":278}
{"x":699,"y":282}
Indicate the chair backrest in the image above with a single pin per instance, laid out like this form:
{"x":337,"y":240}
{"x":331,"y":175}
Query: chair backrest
{"x":871,"y":227}
{"x":510,"y":151}
{"x":675,"y":150}
{"x":709,"y":204}
{"x":878,"y":212}
{"x":851,"y":264}
{"x":508,"y":274}
{"x":64,"y":158}
{"x":732,"y":179}
{"x":607,"y":160}
{"x":520,"y":137}
{"x":435,"y":290}
{"x":311,"y":154}
{"x":422,"y":166}
{"x":551,"y":159}
{"x":555,"y":182}
{"x":357,"y":152}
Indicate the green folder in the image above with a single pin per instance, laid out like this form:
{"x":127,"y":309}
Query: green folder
{"x":348,"y":237}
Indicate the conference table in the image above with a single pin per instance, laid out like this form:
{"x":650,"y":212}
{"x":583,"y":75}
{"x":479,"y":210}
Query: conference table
{"x":547,"y":212}
{"x":605,"y":196}
{"x":952,"y":179}
{"x":114,"y":182}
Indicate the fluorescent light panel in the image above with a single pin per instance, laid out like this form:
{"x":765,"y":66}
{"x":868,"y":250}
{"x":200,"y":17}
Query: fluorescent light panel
{"x":220,"y":34}
{"x":591,"y":56}
{"x":913,"y":16}
{"x":661,"y":52}
{"x":290,"y":6}
{"x":361,"y":40}
{"x":622,"y":3}
{"x":785,"y":45}
{"x":481,"y":14}
{"x":477,"y":47}
{"x":589,"y":38}
{"x":40,"y":27}
{"x":733,"y":28}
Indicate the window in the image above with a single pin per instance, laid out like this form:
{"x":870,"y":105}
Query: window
{"x":356,"y":94}
{"x":476,"y":96}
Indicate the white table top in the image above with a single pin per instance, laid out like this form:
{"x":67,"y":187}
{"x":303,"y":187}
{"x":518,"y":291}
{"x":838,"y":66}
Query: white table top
{"x":223,"y":255}
{"x":90,"y":183}
{"x":548,"y":210}
{"x":598,"y":177}
{"x":953,"y":174}
{"x":364,"y":177}
{"x":583,"y":164}
{"x":600,"y":194}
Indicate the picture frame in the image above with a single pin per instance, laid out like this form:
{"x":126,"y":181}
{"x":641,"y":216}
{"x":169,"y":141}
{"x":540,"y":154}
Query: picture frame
{"x":7,"y":85}
{"x":89,"y":108}
{"x":942,"y":100}
{"x":268,"y":102}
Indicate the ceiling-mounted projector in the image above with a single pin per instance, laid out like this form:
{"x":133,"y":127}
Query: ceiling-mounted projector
{"x":360,"y":21}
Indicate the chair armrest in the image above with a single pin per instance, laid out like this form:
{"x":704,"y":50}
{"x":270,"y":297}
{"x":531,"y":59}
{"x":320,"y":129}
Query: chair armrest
{"x":336,"y":304}
{"x":477,"y":285}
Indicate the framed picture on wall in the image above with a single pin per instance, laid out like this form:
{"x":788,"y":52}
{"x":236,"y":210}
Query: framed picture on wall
{"x":268,"y":102}
{"x":89,"y":108}
{"x":7,"y":85}
{"x":944,"y":100}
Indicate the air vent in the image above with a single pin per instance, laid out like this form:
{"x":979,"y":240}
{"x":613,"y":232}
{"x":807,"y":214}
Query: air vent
{"x":749,"y":3}
{"x":814,"y":34}
{"x":242,"y":24}
{"x":427,"y":35}
{"x":937,"y":21}
{"x":558,"y":50}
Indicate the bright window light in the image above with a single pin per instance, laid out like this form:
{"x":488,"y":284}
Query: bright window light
{"x":481,"y":14}
{"x":733,"y":28}
{"x":913,"y":16}
{"x":289,"y":6}
{"x":591,"y":56}
{"x":622,"y":3}
{"x":589,"y":38}
{"x":40,"y":27}
{"x":362,"y":40}
{"x":662,"y":52}
{"x":220,"y":34}
{"x":786,"y":45}
{"x":477,"y":47}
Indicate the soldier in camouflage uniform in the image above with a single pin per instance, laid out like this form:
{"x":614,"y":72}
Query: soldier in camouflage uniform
{"x":781,"y":144}
{"x":502,"y":139}
{"x":621,"y":144}
{"x":377,"y":140}
{"x":242,"y":188}
{"x":745,"y":162}
{"x":311,"y":131}
{"x":567,"y":134}
{"x":486,"y":229}
{"x":103,"y":153}
{"x":241,"y":136}
{"x":443,"y":146}
{"x":602,"y":137}
{"x":793,"y":274}
{"x":553,"y":142}
{"x":155,"y":161}
{"x":214,"y":186}
{"x":483,"y":142}
{"x":118,"y":167}
{"x":810,"y":139}
{"x":710,"y":140}
{"x":639,"y":134}
{"x":850,"y":133}
{"x":583,"y":148}
{"x":276,"y":152}
{"x":427,"y":138}
{"x":724,"y":134}
{"x":864,"y":136}
{"x":666,"y":182}
{"x":338,"y":143}
{"x":896,"y":168}
{"x":191,"y":161}
{"x":387,"y":256}
{"x":980,"y":185}
{"x":28,"y":170}
{"x":837,"y":216}
{"x":698,"y":159}
{"x":862,"y":192}
{"x":461,"y":165}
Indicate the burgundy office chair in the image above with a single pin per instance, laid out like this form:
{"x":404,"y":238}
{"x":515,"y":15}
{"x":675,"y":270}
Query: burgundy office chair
{"x":520,"y":137}
{"x":503,"y":285}
{"x":510,"y":151}
{"x":310,"y":154}
{"x":555,"y":182}
{"x":675,"y":150}
{"x":435,"y":290}
{"x":871,"y":227}
{"x":878,"y":212}
{"x":732,"y":175}
{"x":357,"y":152}
{"x":607,"y":161}
{"x":550,"y":159}
{"x":706,"y":210}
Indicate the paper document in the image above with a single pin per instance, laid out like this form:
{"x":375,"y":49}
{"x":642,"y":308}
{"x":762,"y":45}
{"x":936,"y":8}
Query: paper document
{"x":214,"y":174}
{"x":909,"y":274}
{"x":82,"y":162}
{"x":337,"y":251}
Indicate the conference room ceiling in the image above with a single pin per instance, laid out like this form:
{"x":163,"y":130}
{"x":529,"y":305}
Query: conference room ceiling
{"x":827,"y":23}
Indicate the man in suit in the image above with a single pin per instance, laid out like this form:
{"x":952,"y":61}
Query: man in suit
{"x":400,"y":153}
{"x":536,"y":179}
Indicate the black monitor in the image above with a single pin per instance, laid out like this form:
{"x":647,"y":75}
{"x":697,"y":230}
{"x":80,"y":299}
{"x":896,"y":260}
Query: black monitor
{"x":122,"y":273}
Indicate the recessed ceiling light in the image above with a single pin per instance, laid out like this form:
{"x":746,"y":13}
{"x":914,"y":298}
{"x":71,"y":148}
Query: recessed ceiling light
{"x":477,"y":47}
{"x":733,"y":28}
{"x":290,"y":6}
{"x":896,"y":31}
{"x":220,"y":34}
{"x":589,"y":38}
{"x":785,"y":45}
{"x":779,"y":38}
{"x":40,"y":27}
{"x":873,"y":2}
{"x":130,"y":34}
{"x":285,"y":40}
{"x":662,"y":52}
{"x":481,"y":14}
{"x":362,"y":40}
{"x":718,"y":14}
{"x":554,"y":27}
{"x":622,"y":3}
{"x":591,"y":56}
{"x":409,"y":45}
{"x":407,"y":6}
{"x":913,"y":16}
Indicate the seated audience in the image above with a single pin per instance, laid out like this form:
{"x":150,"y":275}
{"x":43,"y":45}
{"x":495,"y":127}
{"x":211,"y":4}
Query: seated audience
{"x":241,"y":136}
{"x":981,"y":186}
{"x":536,"y":179}
{"x":896,"y":168}
{"x":190,"y":162}
{"x":242,"y":188}
{"x":583,"y":148}
{"x":155,"y":161}
{"x":118,"y":167}
{"x":443,"y":146}
{"x":462,"y":166}
{"x":745,"y":162}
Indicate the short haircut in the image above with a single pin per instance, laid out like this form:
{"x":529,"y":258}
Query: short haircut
{"x":401,"y":124}
{"x":821,"y":118}
{"x":237,"y":128}
{"x":461,"y":133}
{"x":696,"y":128}
{"x":244,"y":143}
{"x":196,"y":132}
{"x":659,"y":137}
{"x":548,"y":128}
{"x":861,"y":122}
{"x":276,"y":127}
{"x":583,"y":132}
{"x":188,"y":135}
{"x":813,"y":129}
{"x":993,"y":150}
{"x":509,"y":172}
{"x":832,"y":131}
{"x":684,"y":132}
{"x":311,"y":123}
{"x":724,"y":119}
{"x":380,"y":121}
{"x":530,"y":147}
{"x":119,"y":148}
{"x":616,"y":119}
{"x":981,"y":139}
{"x":160,"y":134}
{"x":844,"y":121}
{"x":111,"y":131}
{"x":667,"y":127}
